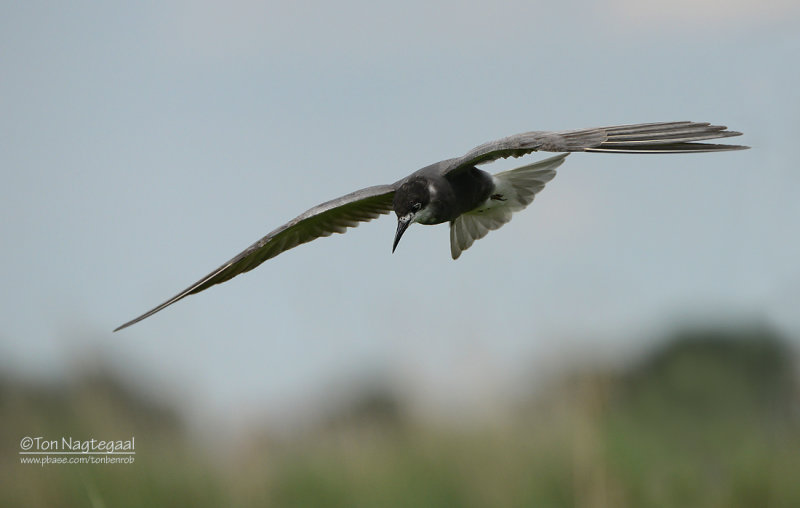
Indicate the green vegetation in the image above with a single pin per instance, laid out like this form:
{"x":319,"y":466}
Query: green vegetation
{"x":710,"y":419}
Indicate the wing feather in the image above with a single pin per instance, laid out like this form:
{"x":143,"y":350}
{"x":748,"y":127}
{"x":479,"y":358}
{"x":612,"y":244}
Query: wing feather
{"x":660,"y":137}
{"x":334,"y":216}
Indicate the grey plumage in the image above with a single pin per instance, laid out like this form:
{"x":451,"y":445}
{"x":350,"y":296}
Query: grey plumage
{"x":333,"y":216}
{"x":337,"y":215}
{"x":518,"y":187}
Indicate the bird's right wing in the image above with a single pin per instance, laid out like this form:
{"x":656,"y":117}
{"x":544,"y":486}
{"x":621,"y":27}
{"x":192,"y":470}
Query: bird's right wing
{"x":334,"y":216}
{"x":662,"y":137}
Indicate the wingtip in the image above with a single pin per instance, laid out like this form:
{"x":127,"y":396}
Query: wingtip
{"x":732,"y":147}
{"x":123,"y":326}
{"x":142,"y":317}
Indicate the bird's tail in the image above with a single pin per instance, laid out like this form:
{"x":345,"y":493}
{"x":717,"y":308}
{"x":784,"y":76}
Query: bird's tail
{"x":514,"y":190}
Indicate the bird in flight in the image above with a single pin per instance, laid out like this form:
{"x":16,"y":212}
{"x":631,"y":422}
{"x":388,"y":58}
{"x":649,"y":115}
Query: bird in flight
{"x":473,"y":201}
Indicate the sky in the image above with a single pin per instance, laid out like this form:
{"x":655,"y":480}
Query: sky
{"x":142,"y":144}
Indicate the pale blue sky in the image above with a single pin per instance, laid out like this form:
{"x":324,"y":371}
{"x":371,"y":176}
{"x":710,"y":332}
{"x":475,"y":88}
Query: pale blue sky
{"x":143,"y":144}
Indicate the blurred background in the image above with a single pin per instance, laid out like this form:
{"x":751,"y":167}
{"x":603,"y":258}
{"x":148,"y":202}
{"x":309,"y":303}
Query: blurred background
{"x":628,"y":340}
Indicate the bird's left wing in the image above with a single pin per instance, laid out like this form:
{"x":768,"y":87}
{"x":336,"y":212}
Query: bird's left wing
{"x":660,"y":137}
{"x":334,"y":216}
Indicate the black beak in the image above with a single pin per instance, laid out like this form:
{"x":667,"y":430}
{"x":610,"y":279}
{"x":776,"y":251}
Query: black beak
{"x":402,"y":225}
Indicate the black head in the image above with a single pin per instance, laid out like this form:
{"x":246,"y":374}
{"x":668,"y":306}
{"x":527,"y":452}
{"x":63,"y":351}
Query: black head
{"x":411,"y":197}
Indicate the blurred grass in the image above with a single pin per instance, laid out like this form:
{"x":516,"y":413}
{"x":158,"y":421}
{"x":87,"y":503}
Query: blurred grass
{"x":710,"y":419}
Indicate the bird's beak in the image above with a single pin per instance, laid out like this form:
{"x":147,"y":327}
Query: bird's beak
{"x":402,"y":224}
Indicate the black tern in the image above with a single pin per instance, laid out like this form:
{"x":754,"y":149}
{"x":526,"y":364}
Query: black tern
{"x":473,"y":201}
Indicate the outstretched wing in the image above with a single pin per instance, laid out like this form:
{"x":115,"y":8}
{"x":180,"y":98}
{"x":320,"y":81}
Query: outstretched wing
{"x":334,"y":216}
{"x":663,"y":137}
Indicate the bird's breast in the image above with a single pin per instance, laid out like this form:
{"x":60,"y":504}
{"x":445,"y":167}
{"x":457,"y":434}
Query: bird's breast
{"x":470,"y":188}
{"x":430,"y":215}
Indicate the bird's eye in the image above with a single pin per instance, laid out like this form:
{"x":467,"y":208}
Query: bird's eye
{"x":417,"y":206}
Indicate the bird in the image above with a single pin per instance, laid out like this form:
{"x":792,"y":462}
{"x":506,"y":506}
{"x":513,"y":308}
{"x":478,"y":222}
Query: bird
{"x":471,"y":200}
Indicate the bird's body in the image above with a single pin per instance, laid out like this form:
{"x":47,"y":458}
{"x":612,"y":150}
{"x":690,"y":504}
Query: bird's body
{"x":448,"y":196}
{"x":473,"y":201}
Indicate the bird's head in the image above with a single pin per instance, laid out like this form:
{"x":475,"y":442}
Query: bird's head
{"x":411,"y":198}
